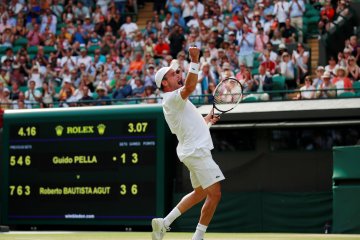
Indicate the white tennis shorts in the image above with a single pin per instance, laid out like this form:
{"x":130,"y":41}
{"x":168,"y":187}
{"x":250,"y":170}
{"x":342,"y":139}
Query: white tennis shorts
{"x":204,"y":171}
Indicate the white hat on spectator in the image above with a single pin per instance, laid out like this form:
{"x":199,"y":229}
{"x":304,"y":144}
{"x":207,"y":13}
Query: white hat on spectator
{"x":67,"y":80}
{"x":231,"y":33}
{"x":159,"y":76}
{"x":100,"y":87}
{"x":226,"y":66}
{"x":15,"y":66}
{"x":347,"y":50}
{"x":326,"y":75}
{"x":6,"y":90}
{"x":320,"y":68}
{"x":282,"y":46}
{"x":341,"y":68}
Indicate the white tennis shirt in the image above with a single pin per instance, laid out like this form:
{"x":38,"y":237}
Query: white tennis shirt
{"x":186,"y":123}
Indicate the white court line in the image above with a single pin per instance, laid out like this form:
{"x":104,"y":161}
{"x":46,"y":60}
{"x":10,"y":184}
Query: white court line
{"x":38,"y":232}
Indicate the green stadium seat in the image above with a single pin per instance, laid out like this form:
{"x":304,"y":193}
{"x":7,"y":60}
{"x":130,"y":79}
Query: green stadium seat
{"x":92,"y":48}
{"x":250,"y":99}
{"x":17,"y":48}
{"x":21,"y":41}
{"x":32,"y":50}
{"x":49,"y":49}
{"x":278,"y":82}
{"x":356,"y":87}
{"x":347,"y":95}
{"x":3,"y":49}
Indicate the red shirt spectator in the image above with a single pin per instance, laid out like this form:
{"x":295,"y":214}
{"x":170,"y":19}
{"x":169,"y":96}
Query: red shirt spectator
{"x":328,"y":12}
{"x":160,"y":47}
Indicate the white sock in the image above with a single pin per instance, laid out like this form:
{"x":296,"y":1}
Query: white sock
{"x":174,"y":214}
{"x":199,"y":233}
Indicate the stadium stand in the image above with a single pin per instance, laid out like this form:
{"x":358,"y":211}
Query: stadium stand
{"x":91,"y":45}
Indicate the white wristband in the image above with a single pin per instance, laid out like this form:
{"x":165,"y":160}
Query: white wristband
{"x":194,"y":68}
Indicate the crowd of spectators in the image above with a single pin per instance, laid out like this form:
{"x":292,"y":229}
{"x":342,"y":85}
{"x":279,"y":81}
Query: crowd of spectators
{"x":91,"y":52}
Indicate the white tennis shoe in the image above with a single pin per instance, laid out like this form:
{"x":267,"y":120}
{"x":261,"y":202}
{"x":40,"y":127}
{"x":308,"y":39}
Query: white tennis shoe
{"x":159,"y":229}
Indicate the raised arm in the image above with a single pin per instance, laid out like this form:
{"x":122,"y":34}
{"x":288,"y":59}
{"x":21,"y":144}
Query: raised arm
{"x":192,"y":76}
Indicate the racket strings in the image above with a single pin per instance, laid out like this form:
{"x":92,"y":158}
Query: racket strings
{"x":227,"y":94}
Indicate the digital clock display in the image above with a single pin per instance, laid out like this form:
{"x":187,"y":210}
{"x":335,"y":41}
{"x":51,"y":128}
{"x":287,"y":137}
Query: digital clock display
{"x":95,"y":165}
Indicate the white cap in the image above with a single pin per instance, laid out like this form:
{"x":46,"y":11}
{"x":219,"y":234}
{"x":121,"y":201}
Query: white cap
{"x":67,"y":79}
{"x":162,"y":71}
{"x":282,"y":46}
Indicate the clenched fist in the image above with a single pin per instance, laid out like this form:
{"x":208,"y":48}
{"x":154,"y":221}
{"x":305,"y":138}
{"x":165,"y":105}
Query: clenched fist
{"x":194,"y":54}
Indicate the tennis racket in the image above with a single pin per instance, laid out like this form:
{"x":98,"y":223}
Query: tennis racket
{"x":227,"y":95}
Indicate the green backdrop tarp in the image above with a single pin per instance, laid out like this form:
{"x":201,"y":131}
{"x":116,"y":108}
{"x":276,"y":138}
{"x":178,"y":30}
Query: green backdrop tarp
{"x":264,"y":212}
{"x":346,"y":189}
{"x":346,"y":162}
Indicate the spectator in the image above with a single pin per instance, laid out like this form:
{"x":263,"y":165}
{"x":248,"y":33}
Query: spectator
{"x":5,"y":77}
{"x":32,"y":95}
{"x":9,"y":55}
{"x":268,"y":64}
{"x":66,"y":92}
{"x":150,"y":76}
{"x":17,"y":76}
{"x":306,"y":91}
{"x":129,"y":27}
{"x":300,"y":57}
{"x":149,"y":95}
{"x":68,"y":59}
{"x":248,"y":83}
{"x":7,"y":37}
{"x":199,"y":8}
{"x":281,"y":11}
{"x":288,"y":32}
{"x":137,"y":64}
{"x":15,"y":6}
{"x":287,"y":70}
{"x":84,"y":59}
{"x":160,"y":47}
{"x":177,"y":41}
{"x":139,"y":90}
{"x":15,"y":91}
{"x":247,"y":42}
{"x":57,"y":8}
{"x":261,"y":40}
{"x":276,"y":38}
{"x":263,"y":83}
{"x":102,"y":98}
{"x":332,"y":66}
{"x":205,"y":77}
{"x":354,"y":46}
{"x":327,"y":13}
{"x":86,"y":99}
{"x":122,"y":89}
{"x":341,"y":81}
{"x":47,"y":95}
{"x":353,"y":69}
{"x":318,"y":80}
{"x":34,"y":36}
{"x":5,"y":102}
{"x":297,"y":9}
{"x":188,"y":10}
{"x":326,"y":89}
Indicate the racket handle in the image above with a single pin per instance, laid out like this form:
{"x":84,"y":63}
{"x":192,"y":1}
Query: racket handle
{"x":209,"y":124}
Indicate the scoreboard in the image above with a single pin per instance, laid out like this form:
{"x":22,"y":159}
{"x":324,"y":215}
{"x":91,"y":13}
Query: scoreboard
{"x":83,"y":166}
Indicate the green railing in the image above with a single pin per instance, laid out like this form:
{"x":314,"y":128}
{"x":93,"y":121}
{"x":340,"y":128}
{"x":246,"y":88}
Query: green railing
{"x":266,"y":96}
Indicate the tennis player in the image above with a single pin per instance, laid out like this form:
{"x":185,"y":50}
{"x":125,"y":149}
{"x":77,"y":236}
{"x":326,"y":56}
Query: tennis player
{"x":193,"y":148}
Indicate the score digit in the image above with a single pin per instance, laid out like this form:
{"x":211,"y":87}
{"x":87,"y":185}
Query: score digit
{"x":19,"y":190}
{"x":20,"y":160}
{"x":139,"y":127}
{"x":27,"y":131}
